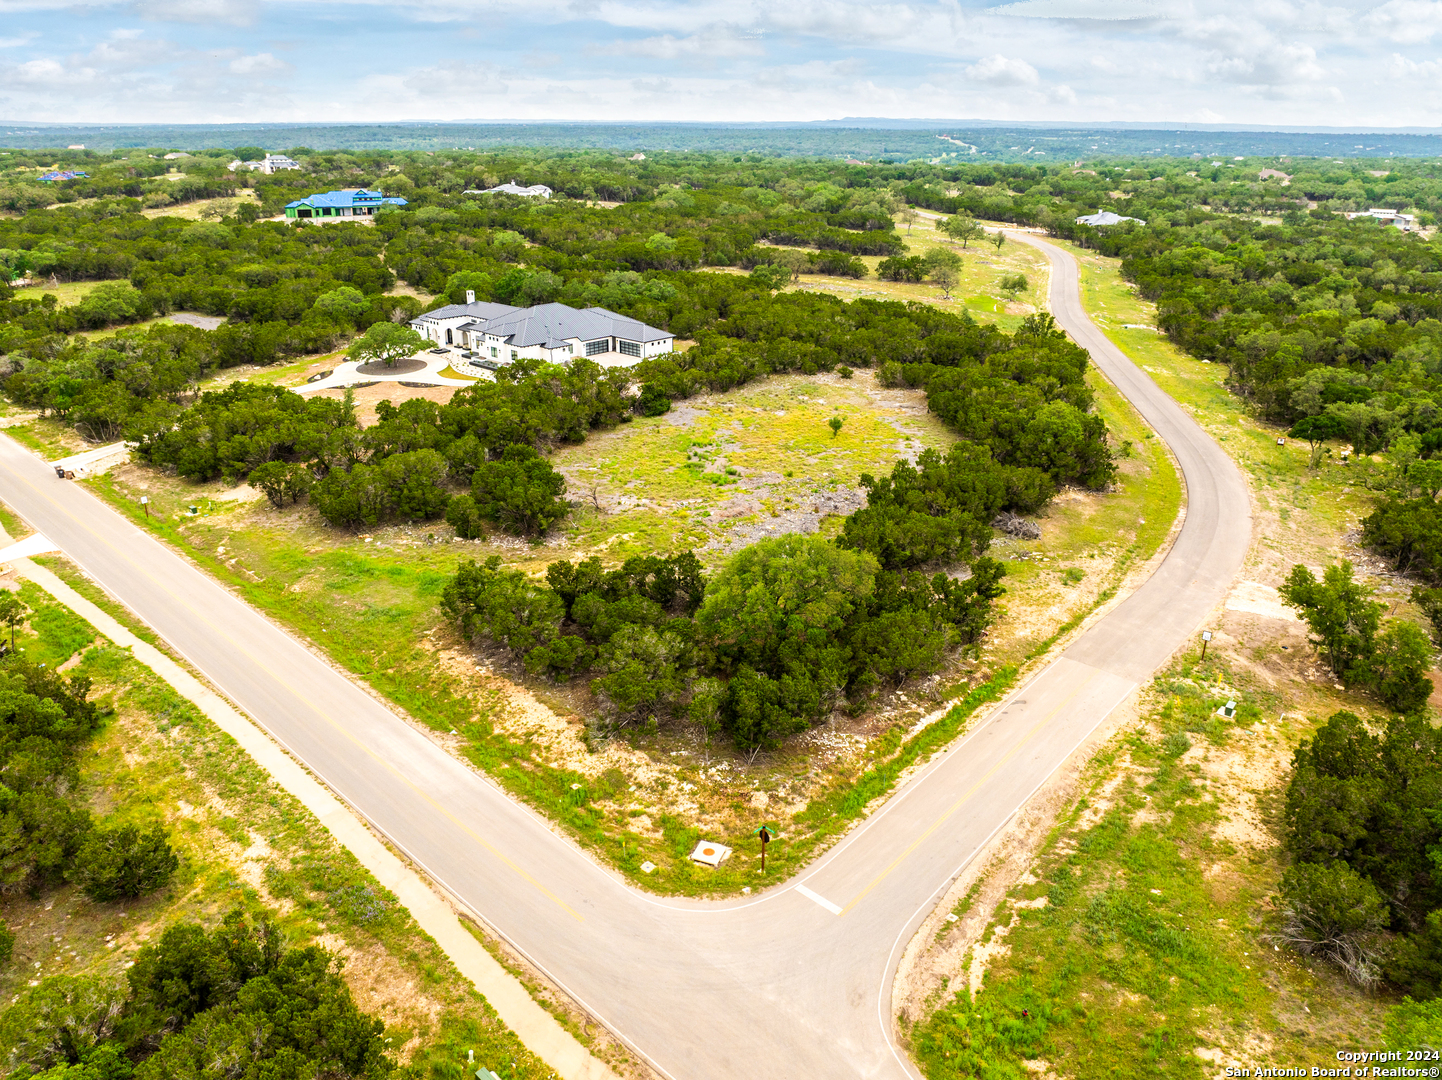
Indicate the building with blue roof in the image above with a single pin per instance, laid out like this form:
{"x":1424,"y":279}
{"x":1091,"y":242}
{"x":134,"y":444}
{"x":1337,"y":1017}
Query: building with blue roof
{"x":347,"y":203}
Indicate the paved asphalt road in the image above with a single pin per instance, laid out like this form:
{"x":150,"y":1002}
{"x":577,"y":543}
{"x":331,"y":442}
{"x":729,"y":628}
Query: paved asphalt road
{"x":792,"y":983}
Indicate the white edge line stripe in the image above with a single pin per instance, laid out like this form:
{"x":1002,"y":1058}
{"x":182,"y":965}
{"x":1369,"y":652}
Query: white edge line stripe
{"x":827,"y":904}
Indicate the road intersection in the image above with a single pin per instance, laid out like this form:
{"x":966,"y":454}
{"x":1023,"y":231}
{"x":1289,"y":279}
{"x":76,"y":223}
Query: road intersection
{"x":794,"y":982}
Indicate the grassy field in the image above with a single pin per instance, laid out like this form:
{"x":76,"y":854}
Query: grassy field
{"x":204,"y":209}
{"x":243,"y":842}
{"x":68,"y":293}
{"x":1136,"y":944}
{"x":978,"y":291}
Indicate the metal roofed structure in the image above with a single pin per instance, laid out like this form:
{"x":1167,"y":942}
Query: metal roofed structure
{"x":501,"y":334}
{"x":552,"y":325}
{"x":513,"y":189}
{"x":346,"y":203}
{"x":1106,"y":217}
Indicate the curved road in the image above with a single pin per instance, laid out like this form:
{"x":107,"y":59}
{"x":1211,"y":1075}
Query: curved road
{"x":792,"y":983}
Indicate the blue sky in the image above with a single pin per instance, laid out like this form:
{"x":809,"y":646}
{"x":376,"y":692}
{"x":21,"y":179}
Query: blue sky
{"x":216,"y":61}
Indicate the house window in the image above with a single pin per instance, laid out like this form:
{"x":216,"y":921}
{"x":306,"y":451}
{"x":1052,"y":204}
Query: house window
{"x":514,"y":355}
{"x":601,"y":346}
{"x":495,"y":351}
{"x":628,"y":348}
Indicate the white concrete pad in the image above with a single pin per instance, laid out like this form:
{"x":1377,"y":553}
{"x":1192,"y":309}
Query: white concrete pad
{"x":34,"y":544}
{"x":709,"y":853}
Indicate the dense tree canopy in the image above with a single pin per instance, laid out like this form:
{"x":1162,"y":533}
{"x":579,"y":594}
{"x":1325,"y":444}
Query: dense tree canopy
{"x":236,"y":994}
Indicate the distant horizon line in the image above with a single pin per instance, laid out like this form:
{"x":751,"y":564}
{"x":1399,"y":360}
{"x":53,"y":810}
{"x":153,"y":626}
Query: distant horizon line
{"x":855,"y":122}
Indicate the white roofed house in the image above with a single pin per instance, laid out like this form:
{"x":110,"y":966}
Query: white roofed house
{"x":498,"y":334}
{"x":1405,"y":222}
{"x":1106,"y":217}
{"x":513,"y":188}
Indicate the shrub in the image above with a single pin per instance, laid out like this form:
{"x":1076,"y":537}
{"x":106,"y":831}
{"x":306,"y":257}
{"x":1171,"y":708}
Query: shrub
{"x":413,"y":483}
{"x":280,"y":481}
{"x":521,"y":492}
{"x":653,"y":401}
{"x":1413,"y":1025}
{"x":464,"y":516}
{"x":1333,"y":912}
{"x":116,"y":862}
{"x":358,"y":497}
{"x":60,"y":1022}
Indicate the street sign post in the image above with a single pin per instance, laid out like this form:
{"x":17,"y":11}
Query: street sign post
{"x":1206,"y":637}
{"x":765,"y":835}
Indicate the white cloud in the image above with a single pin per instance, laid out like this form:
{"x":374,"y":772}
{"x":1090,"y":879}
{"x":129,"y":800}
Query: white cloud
{"x":1401,"y":67}
{"x":457,"y":81}
{"x":998,"y":70}
{"x":260,"y":64}
{"x":714,"y":42}
{"x":1277,"y":65}
{"x":1108,"y":10}
{"x":1407,"y":22}
{"x":203,"y":12}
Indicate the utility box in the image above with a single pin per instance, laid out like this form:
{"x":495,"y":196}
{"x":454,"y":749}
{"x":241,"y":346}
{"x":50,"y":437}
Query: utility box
{"x":709,"y":853}
{"x":1229,"y":710}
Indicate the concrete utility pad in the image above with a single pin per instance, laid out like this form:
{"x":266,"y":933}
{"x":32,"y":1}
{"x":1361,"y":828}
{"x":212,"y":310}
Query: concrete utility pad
{"x":710,"y":854}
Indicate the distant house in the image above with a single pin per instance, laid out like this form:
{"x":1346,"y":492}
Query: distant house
{"x":1104,"y":218}
{"x":638,"y":157}
{"x":175,"y":155}
{"x":854,"y":161}
{"x":271,"y":163}
{"x":347,"y":203}
{"x":534,"y":191}
{"x":1405,"y":222}
{"x":500,"y":334}
{"x":63,"y":174}
{"x":1274,"y":174}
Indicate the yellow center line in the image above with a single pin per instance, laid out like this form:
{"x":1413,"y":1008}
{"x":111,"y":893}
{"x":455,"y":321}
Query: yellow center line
{"x":240,"y":649}
{"x":969,"y":793}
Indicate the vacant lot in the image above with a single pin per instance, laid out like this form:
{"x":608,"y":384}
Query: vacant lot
{"x":717,"y":472}
{"x":978,"y":291}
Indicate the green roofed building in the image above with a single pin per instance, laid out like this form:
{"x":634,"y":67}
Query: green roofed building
{"x":348,"y":203}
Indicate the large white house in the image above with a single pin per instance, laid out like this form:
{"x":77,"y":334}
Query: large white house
{"x":1105,"y":217}
{"x":271,"y":163}
{"x":513,"y":189}
{"x":1405,"y":222}
{"x":498,"y":334}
